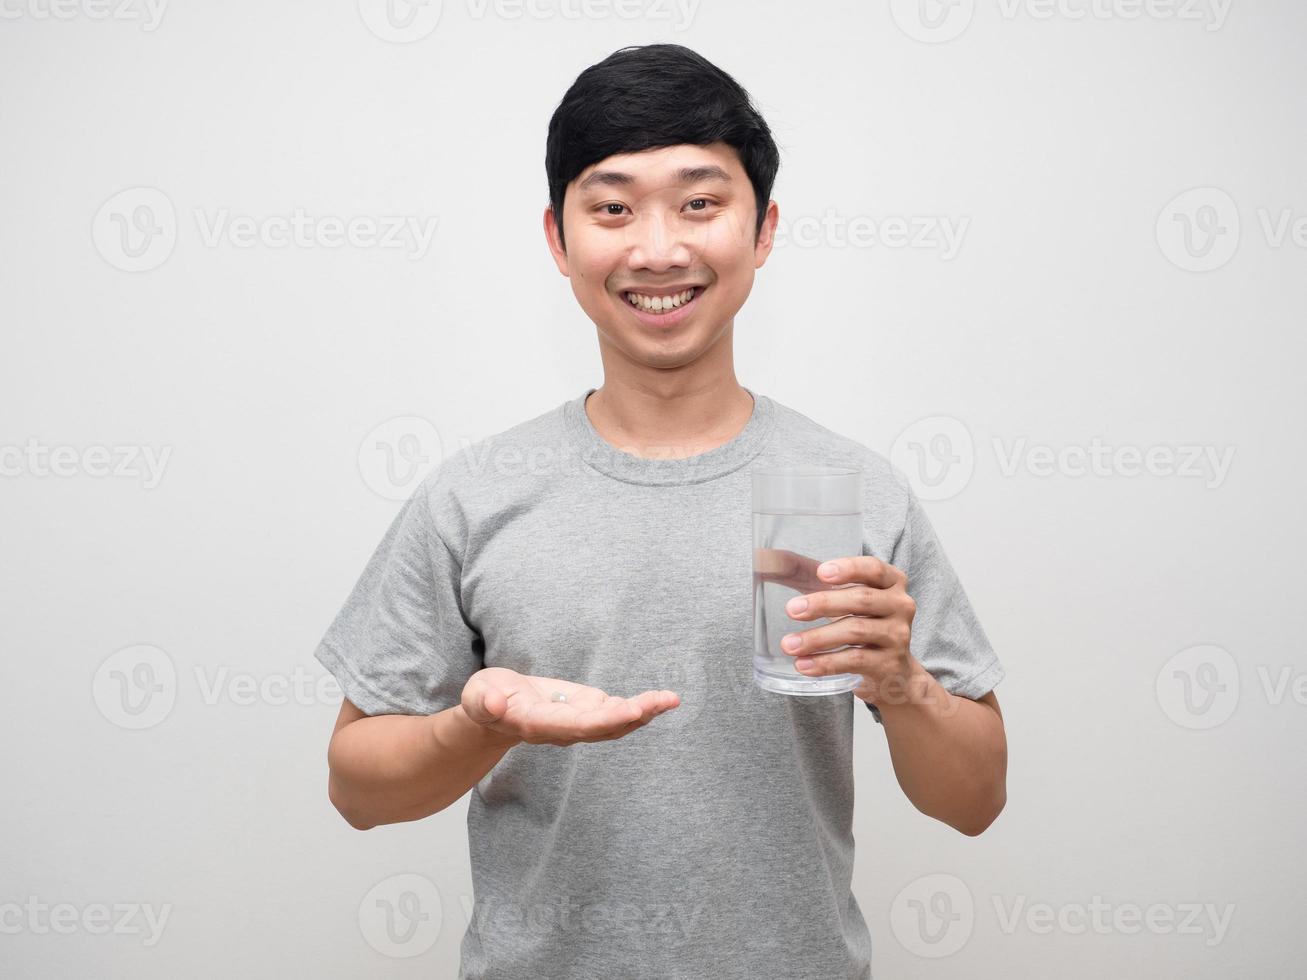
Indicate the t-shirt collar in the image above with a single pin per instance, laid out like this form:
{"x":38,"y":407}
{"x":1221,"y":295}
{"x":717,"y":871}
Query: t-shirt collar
{"x":671,"y":469}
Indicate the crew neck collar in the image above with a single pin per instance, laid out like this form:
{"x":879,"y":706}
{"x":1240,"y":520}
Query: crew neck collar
{"x":671,"y":469}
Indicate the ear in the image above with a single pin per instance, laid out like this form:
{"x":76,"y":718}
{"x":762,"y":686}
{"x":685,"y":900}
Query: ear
{"x":766,"y":234}
{"x":554,"y":240}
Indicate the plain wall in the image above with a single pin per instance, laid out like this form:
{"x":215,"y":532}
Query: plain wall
{"x":1126,"y":198}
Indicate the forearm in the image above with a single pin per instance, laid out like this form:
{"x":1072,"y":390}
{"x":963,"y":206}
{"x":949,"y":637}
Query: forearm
{"x":949,"y":753}
{"x":396,"y":768}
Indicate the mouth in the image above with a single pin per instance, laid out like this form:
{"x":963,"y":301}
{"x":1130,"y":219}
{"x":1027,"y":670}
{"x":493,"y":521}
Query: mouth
{"x":663,"y":309}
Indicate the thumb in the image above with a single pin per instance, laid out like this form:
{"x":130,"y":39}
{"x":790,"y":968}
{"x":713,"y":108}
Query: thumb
{"x":486,"y":705}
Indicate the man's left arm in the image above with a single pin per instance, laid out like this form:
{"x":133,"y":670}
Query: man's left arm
{"x":949,"y":752}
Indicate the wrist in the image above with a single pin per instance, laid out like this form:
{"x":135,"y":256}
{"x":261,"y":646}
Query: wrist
{"x":473,"y":732}
{"x":911,"y":688}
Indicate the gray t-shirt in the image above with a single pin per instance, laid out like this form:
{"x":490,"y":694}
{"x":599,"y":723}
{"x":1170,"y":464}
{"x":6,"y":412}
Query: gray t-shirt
{"x":715,"y":841}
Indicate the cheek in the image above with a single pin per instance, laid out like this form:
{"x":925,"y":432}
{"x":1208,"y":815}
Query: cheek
{"x":587,"y":278}
{"x":731,"y":238}
{"x":596,"y":272}
{"x":731,"y":260}
{"x":734,"y":276}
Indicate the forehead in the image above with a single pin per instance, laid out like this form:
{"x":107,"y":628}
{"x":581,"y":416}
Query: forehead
{"x":666,"y":166}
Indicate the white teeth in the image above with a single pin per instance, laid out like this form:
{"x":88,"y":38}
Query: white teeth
{"x":659,"y":304}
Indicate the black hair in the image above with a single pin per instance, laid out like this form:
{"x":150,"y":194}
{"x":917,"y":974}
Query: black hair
{"x":642,"y":97}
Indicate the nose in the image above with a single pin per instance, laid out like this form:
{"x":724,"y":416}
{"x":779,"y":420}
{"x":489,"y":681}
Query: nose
{"x":658,"y":242}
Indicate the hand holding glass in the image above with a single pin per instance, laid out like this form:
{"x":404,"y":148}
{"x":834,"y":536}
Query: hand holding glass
{"x":802,"y":516}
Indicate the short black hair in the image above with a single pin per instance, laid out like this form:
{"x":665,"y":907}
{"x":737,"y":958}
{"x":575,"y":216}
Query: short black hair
{"x":642,"y":97}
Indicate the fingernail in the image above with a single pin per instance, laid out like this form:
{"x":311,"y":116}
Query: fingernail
{"x":796,"y":605}
{"x":828,"y":569}
{"x":791,"y":642}
{"x":803,"y":663}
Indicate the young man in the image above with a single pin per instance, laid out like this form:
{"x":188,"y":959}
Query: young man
{"x":548,"y":593}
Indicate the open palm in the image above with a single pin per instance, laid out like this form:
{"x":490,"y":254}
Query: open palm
{"x":521,"y":707}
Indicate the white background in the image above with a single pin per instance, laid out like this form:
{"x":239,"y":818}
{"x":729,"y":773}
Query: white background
{"x":1075,"y":312}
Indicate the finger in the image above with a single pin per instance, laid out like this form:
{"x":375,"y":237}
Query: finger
{"x":849,"y":631}
{"x":854,"y":660}
{"x":662,"y":702}
{"x":867,"y":569}
{"x":787,"y":568}
{"x":856,"y":600}
{"x":487,"y":704}
{"x":650,"y":704}
{"x":653,"y":703}
{"x":627,"y":729}
{"x":612,"y":714}
{"x":646,"y":702}
{"x":658,"y":701}
{"x":590,"y":715}
{"x":564,"y":725}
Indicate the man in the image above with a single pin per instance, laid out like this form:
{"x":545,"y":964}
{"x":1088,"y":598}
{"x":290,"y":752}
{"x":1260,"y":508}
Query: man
{"x":560,"y":618}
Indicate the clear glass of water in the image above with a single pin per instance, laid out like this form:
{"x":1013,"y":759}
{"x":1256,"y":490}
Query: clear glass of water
{"x":802,"y":516}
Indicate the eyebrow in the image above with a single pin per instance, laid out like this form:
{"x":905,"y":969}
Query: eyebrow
{"x":686,"y":175}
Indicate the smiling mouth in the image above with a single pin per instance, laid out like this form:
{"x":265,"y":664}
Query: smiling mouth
{"x":661,"y":304}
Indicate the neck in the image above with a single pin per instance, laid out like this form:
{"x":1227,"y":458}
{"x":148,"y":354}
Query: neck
{"x":682,"y":409}
{"x":669,"y":415}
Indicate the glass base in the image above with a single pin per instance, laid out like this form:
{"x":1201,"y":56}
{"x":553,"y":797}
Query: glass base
{"x":806,"y":686}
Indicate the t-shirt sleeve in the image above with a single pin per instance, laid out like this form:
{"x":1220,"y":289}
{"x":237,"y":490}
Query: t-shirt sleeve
{"x":401,"y":643}
{"x":947,"y":638}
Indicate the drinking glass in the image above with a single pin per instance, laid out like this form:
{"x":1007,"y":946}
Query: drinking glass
{"x":802,"y":516}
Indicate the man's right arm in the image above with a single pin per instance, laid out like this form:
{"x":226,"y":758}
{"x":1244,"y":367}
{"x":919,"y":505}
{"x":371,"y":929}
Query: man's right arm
{"x":395,"y":768}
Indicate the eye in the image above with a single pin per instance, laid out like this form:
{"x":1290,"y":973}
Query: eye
{"x":613,"y":209}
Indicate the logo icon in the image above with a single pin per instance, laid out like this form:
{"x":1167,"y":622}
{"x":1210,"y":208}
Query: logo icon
{"x":1198,"y":688}
{"x":136,"y":229}
{"x":933,"y":916}
{"x":936,"y":455}
{"x":395,"y":456}
{"x":932,"y":21}
{"x":400,"y":21}
{"x":1198,"y":231}
{"x":136,"y":687}
{"x":681,"y":668}
{"x":400,"y":916}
